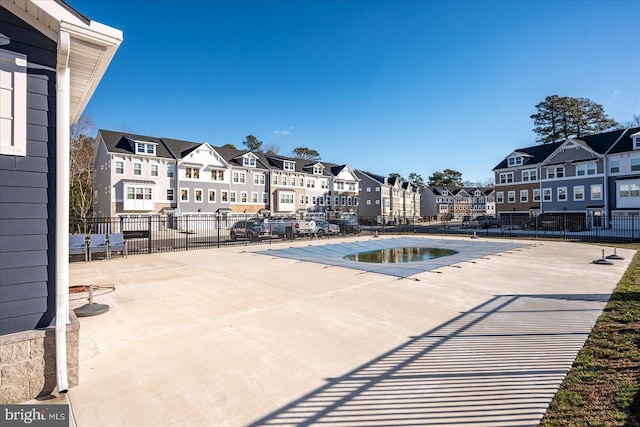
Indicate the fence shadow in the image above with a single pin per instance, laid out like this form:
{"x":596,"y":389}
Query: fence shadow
{"x":500,"y":363}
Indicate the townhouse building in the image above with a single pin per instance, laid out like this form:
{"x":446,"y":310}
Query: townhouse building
{"x":622,"y":192}
{"x":248,"y":190}
{"x":133,"y":174}
{"x":517,"y":182}
{"x":375,"y":197}
{"x":457,"y":202}
{"x":584,"y":179}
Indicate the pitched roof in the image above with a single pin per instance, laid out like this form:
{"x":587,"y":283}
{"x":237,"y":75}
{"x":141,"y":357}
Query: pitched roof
{"x":601,"y":142}
{"x":625,"y":143}
{"x":119,"y":142}
{"x":535,"y":154}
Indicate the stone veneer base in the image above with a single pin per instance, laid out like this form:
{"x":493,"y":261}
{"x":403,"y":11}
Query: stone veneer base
{"x":28,"y":362}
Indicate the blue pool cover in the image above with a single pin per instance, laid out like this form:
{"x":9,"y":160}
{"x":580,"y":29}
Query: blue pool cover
{"x":333,"y":254}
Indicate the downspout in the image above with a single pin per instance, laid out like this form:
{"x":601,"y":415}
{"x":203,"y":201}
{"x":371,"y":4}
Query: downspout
{"x":62,"y":208}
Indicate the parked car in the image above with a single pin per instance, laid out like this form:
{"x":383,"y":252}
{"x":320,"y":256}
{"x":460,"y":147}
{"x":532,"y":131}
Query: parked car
{"x":485,"y":221}
{"x":252,"y":230}
{"x":290,"y":227}
{"x":346,"y":227}
{"x":324,"y":228}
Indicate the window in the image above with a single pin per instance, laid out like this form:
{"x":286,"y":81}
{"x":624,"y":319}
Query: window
{"x":377,"y":188}
{"x":500,"y":197}
{"x":377,"y":202}
{"x":217,"y":175}
{"x":524,"y":196}
{"x":614,"y":166}
{"x":233,"y":197}
{"x":578,"y":193}
{"x":515,"y":161}
{"x":511,"y":196}
{"x":258,"y":178}
{"x":634,"y":189}
{"x":317,"y":169}
{"x":154,"y":170}
{"x":349,"y":201}
{"x":624,"y":190}
{"x":311,"y":183}
{"x":555,"y":172}
{"x":301,"y":199}
{"x":547,"y":194}
{"x":274,"y":179}
{"x":198,"y":195}
{"x":536,"y":194}
{"x":146,"y":148}
{"x":635,"y":164}
{"x":284,"y":179}
{"x":352,"y":186}
{"x":355,"y":201}
{"x":343,"y":200}
{"x":293,"y":181}
{"x":138,"y":193}
{"x":339,"y":185}
{"x":170,"y":194}
{"x":254,"y":197}
{"x":119,"y":167}
{"x":249,"y":161}
{"x":244,"y":198}
{"x":289,"y":166}
{"x":596,"y":192}
{"x":505,"y":177}
{"x":192,"y":173}
{"x":264,"y":198}
{"x":301,"y":181}
{"x":368,"y":189}
{"x":562,"y":194}
{"x":636,"y":142}
{"x":324,"y":184}
{"x":184,"y":195}
{"x":586,"y":169}
{"x":240,"y":177}
{"x":530,"y":175}
{"x":314,"y":200}
{"x":224,"y":196}
{"x":212,"y":196}
{"x":368,"y":202}
{"x":13,"y":103}
{"x":170,"y":171}
{"x":137,"y":169}
{"x":336,"y":201}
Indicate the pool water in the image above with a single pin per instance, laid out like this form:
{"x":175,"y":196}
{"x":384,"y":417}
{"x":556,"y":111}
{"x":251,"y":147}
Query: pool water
{"x":399,"y":255}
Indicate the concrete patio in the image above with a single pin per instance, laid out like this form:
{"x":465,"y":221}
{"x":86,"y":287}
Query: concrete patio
{"x":230,"y":337}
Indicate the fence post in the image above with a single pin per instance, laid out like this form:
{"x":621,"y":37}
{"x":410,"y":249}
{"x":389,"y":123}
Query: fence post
{"x":186,"y":232}
{"x":218,"y":222}
{"x":149,"y":238}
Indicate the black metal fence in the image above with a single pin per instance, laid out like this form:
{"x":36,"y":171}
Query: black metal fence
{"x":618,"y":228}
{"x":161,"y":233}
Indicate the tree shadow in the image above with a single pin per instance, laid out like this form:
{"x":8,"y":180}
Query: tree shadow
{"x":500,"y":363}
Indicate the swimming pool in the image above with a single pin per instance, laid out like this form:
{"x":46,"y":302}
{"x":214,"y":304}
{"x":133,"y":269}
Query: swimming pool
{"x":334,"y":253}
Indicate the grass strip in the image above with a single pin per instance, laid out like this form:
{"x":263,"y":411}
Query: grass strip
{"x":603,"y":386}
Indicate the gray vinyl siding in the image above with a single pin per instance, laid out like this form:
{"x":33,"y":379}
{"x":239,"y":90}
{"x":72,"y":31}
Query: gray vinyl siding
{"x":571,"y":205}
{"x":102,"y":181}
{"x":205,"y":206}
{"x":27,"y":192}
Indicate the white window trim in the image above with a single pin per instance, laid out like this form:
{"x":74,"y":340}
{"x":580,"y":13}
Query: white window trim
{"x":524,"y":193}
{"x":181,"y":190}
{"x":591,"y":192}
{"x":133,"y":170}
{"x":509,"y":194}
{"x":575,"y":191}
{"x":195,"y":192}
{"x":115,"y":168}
{"x":16,"y":118}
{"x":559,"y":191}
{"x":550,"y":199}
{"x":209,"y":193}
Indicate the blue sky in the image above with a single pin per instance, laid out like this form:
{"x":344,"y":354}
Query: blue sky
{"x":385,"y":86}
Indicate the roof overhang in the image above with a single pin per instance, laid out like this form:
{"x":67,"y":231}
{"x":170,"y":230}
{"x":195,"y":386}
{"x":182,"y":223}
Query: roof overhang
{"x":91,"y":45}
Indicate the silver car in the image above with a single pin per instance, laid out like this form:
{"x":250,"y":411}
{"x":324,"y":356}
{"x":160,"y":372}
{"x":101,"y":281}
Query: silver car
{"x":324,"y":228}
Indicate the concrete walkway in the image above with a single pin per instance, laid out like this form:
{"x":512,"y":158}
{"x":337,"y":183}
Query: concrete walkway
{"x":229,"y":337}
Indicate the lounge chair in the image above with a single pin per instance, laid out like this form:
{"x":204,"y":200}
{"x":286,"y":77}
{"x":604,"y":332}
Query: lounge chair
{"x":117,"y":244}
{"x":98,"y":245}
{"x":78,"y":245}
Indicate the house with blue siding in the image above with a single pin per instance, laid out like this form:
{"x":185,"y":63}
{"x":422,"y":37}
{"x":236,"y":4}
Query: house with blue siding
{"x":43,"y":46}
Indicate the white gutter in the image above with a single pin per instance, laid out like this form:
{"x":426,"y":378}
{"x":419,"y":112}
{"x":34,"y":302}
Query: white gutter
{"x":62,"y":208}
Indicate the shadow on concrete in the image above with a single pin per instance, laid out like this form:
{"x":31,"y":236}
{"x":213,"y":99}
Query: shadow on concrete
{"x":500,"y":363}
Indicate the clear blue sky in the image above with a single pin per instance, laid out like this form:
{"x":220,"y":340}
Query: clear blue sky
{"x":385,"y":86}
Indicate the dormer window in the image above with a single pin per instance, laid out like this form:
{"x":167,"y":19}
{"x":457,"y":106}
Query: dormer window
{"x":515,"y":161}
{"x":445,"y":193}
{"x":636,"y":141}
{"x":317,"y":169}
{"x":289,"y":166}
{"x":145,"y":148}
{"x":249,"y":161}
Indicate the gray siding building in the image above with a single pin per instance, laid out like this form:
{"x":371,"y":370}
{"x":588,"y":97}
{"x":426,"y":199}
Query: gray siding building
{"x":41,"y":96}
